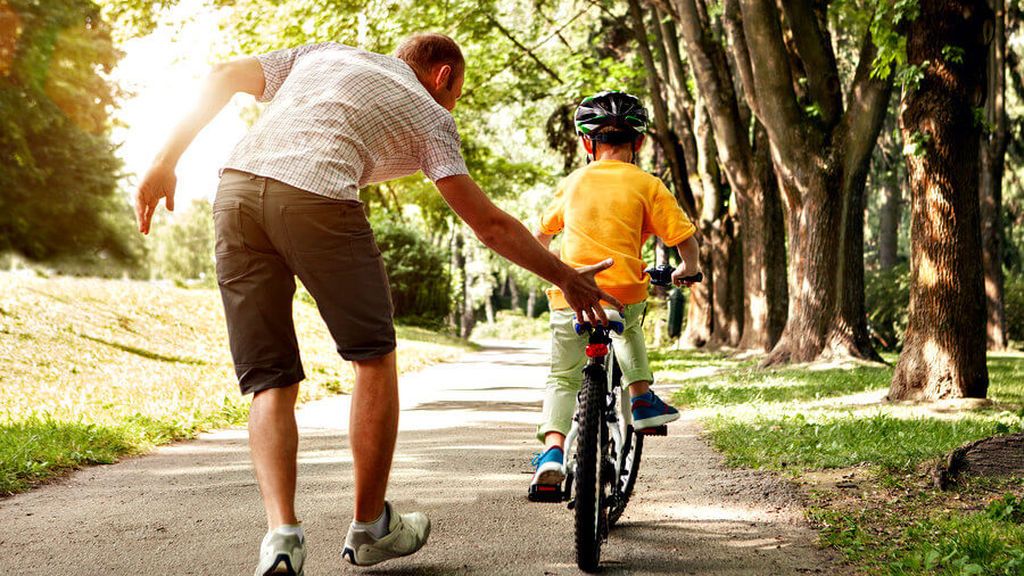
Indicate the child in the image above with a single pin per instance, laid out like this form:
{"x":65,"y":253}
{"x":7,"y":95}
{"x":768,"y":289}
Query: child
{"x":608,"y":209}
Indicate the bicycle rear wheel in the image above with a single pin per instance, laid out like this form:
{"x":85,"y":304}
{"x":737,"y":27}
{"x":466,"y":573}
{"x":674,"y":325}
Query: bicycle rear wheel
{"x":589,"y":507}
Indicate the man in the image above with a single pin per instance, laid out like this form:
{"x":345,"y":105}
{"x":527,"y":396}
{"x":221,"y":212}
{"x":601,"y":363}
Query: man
{"x":339,"y":118}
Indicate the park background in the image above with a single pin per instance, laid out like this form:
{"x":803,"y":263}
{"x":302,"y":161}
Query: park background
{"x":854,"y":168}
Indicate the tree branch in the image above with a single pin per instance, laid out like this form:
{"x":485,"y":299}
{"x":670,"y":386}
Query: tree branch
{"x":663,"y":133}
{"x":815,"y":48}
{"x":735,"y":35}
{"x":711,"y":71}
{"x":528,"y":52}
{"x":869,"y":104}
{"x":777,"y":106}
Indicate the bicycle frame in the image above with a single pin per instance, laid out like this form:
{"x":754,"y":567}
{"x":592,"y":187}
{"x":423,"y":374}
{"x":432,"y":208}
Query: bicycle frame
{"x":617,"y":414}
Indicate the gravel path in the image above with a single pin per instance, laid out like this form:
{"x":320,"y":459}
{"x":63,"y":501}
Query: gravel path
{"x":463,"y":457}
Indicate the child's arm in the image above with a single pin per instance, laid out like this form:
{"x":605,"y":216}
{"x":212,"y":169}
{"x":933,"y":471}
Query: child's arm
{"x":689,"y":251}
{"x":545,"y":241}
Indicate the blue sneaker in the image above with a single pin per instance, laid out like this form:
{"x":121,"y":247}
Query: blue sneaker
{"x":649,"y":411}
{"x":550,"y":469}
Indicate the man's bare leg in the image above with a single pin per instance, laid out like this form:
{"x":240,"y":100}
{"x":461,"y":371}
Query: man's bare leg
{"x":274,"y":443}
{"x":373,"y":429}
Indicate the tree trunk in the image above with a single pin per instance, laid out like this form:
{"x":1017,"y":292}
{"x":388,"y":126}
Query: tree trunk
{"x":531,"y":303}
{"x":993,"y":157}
{"x":815,"y":249}
{"x":889,"y":223}
{"x":513,"y":291}
{"x":944,"y":348}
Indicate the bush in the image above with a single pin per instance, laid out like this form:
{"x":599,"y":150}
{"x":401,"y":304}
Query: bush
{"x":418,"y":273}
{"x":886,"y":300}
{"x":1013,"y":302}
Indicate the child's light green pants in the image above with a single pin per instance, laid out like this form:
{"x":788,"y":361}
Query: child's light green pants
{"x":568,"y":357}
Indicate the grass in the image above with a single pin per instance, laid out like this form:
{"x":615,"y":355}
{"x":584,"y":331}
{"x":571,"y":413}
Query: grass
{"x":866,"y":464}
{"x":97,"y":369}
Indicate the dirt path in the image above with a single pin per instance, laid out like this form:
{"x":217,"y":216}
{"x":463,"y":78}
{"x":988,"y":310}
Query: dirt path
{"x":463,"y":457}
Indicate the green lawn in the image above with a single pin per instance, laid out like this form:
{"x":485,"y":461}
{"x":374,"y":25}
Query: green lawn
{"x":865,"y":463}
{"x":96,"y":369}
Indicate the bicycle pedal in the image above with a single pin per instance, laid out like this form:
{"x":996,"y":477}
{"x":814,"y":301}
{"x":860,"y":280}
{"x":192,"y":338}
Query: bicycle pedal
{"x":654,"y":431}
{"x":545,"y":493}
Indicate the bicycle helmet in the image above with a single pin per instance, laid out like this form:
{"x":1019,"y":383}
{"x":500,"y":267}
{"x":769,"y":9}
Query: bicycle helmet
{"x":622,"y":112}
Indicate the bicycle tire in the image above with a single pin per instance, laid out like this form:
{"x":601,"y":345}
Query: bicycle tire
{"x":589,"y":507}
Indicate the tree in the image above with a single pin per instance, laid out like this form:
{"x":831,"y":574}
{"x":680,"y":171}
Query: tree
{"x":990,"y":184}
{"x":820,"y":150}
{"x":747,"y":166}
{"x":944,"y":349}
{"x":58,"y":177}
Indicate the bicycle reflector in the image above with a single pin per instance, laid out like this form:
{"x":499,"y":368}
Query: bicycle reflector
{"x":596,"y":350}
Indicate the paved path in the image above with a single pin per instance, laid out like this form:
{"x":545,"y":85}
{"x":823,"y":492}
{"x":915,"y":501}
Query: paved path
{"x":463,"y":457}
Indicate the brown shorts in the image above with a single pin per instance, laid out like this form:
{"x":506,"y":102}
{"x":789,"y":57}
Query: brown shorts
{"x":267,"y":233}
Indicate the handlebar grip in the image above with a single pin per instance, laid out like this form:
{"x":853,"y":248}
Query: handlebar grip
{"x":698,"y":277}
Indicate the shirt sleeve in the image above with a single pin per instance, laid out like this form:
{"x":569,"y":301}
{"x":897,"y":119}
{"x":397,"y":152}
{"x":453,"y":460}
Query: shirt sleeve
{"x":442,"y":152}
{"x":278,"y":64}
{"x":667,"y":219}
{"x":552,"y":220}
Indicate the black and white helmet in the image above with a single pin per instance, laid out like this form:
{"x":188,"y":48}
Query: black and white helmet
{"x":611,"y":109}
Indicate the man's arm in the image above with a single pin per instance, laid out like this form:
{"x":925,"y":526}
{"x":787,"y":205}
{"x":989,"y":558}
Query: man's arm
{"x":508,"y":237}
{"x":689,"y":252}
{"x":223,"y":82}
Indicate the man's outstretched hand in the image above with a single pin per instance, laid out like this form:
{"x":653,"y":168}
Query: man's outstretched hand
{"x":584,"y":296}
{"x":159,"y":182}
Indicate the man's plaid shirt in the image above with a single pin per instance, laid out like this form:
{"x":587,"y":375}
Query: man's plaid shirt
{"x":340,"y":118}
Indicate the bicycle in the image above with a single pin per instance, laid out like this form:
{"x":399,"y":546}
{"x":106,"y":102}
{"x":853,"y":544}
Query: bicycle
{"x":605,"y":448}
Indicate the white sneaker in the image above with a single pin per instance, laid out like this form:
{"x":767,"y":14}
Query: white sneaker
{"x":281,"y":553}
{"x":407,"y":533}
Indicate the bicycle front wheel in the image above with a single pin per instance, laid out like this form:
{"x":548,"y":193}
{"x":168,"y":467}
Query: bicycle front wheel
{"x":589,"y":508}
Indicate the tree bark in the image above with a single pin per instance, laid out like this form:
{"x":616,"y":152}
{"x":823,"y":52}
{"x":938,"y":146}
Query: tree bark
{"x":992,"y":457}
{"x":993,"y":157}
{"x":887,"y":180}
{"x":944,"y":348}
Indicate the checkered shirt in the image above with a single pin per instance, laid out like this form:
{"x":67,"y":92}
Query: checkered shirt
{"x":340,"y":118}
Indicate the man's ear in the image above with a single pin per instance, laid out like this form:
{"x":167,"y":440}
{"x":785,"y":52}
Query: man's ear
{"x":443,"y":77}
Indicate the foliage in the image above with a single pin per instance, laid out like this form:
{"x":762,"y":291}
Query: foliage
{"x":184,"y":247}
{"x":417,"y":271}
{"x":95,"y":369}
{"x":58,"y":177}
{"x":514,"y":325}
{"x":886,"y":297}
{"x":1013,"y":302}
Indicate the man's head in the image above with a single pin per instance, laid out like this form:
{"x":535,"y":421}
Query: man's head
{"x":438,"y":63}
{"x":614,"y":120}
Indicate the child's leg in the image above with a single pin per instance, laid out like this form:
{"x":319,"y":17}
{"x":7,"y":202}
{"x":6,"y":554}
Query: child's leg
{"x":566,"y":376}
{"x":631,"y":352}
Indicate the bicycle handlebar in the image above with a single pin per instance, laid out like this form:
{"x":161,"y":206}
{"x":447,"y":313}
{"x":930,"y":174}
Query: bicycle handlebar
{"x":662,"y":276}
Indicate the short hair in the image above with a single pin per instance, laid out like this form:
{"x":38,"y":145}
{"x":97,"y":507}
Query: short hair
{"x":422,"y":52}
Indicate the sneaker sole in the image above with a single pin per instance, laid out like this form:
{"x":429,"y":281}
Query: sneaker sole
{"x":552,"y":477}
{"x":350,"y":555}
{"x":655,"y":421}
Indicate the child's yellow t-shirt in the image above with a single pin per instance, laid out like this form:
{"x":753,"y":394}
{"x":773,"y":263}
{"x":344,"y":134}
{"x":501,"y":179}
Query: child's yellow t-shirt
{"x":609,"y":209}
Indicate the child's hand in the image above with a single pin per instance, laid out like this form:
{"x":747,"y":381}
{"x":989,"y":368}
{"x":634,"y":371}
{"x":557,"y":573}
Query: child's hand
{"x":683,"y":271}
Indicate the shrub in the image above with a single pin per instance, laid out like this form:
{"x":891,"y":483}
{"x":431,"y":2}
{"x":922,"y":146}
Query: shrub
{"x":418,"y":273}
{"x":1013,"y":301}
{"x":886,"y":300}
